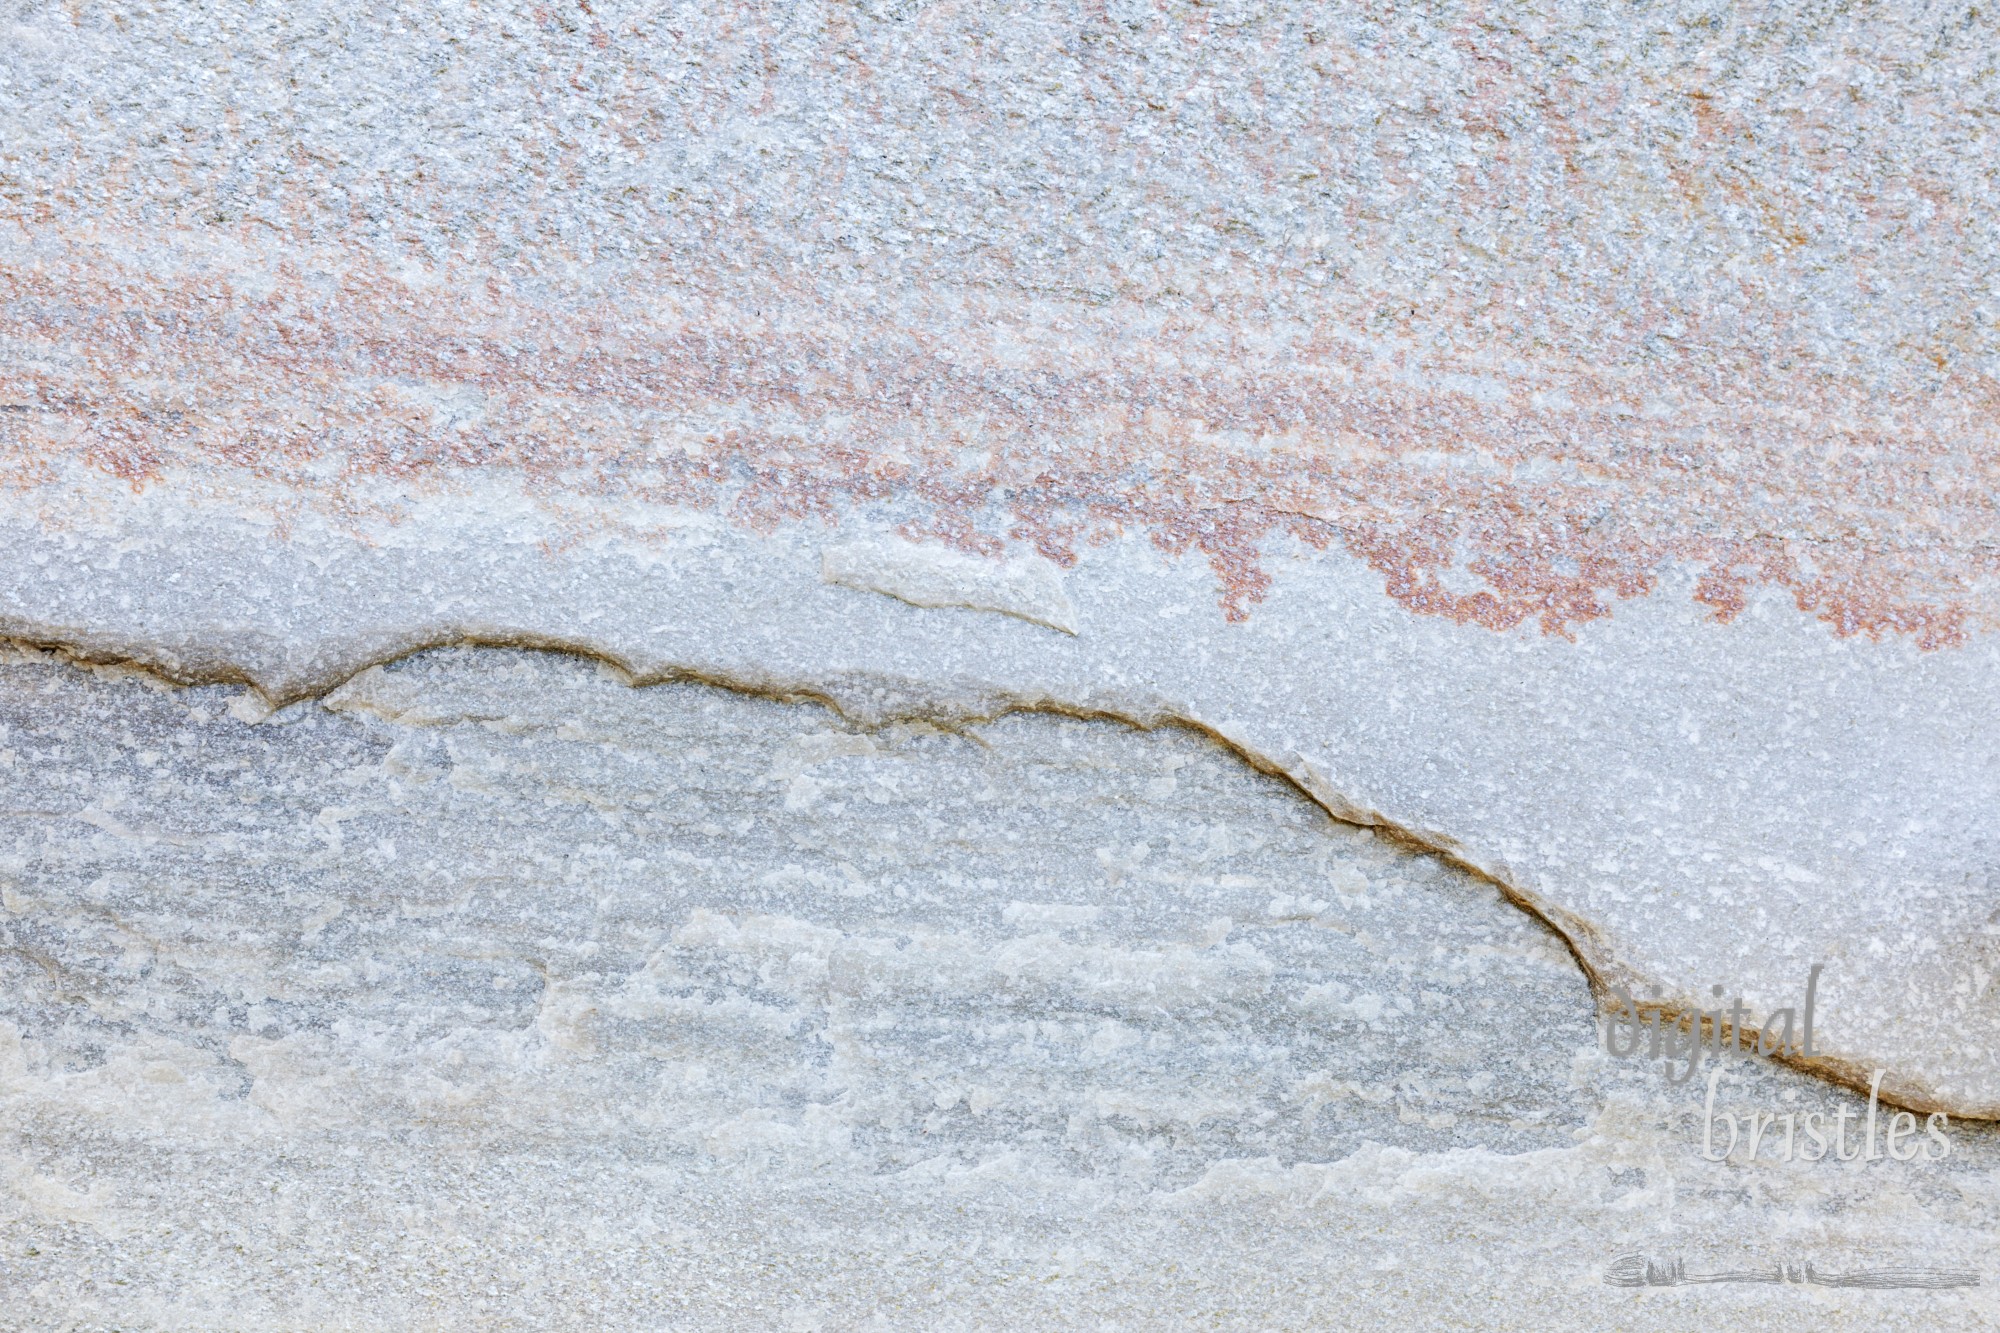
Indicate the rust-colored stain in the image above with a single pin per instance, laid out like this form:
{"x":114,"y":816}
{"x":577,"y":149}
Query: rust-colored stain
{"x":1521,"y":336}
{"x":1470,"y":493}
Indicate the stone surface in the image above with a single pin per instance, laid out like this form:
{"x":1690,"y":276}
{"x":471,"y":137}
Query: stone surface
{"x":496,"y":991}
{"x":1691,"y":803}
{"x":1195,"y":531}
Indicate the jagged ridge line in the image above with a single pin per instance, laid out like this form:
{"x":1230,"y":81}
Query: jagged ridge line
{"x":1571,"y":929}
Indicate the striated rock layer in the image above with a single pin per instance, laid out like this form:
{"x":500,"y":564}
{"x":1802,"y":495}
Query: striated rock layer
{"x":1692,"y":804}
{"x":494,"y":992}
{"x":1038,"y":612}
{"x":1567,"y":440}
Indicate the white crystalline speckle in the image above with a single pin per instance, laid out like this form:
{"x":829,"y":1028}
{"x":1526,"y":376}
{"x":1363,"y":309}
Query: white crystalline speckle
{"x":1051,"y":914}
{"x":1025,"y":586}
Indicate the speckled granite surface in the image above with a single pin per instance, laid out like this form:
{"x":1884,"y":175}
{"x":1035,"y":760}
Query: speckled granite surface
{"x":1107,"y":632}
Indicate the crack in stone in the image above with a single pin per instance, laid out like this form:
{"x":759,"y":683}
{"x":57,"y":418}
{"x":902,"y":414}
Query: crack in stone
{"x":859,"y":702}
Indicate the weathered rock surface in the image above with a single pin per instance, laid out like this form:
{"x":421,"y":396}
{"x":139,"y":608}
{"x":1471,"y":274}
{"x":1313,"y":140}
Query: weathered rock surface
{"x":1069,"y":473}
{"x":1649,"y":375}
{"x":496,"y":991}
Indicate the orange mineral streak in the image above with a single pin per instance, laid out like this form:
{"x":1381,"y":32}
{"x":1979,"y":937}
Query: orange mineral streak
{"x":1486,"y":486}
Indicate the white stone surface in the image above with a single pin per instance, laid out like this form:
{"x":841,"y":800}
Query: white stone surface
{"x":495,"y":991}
{"x":1692,"y":804}
{"x":1028,"y":587}
{"x":911,"y":665}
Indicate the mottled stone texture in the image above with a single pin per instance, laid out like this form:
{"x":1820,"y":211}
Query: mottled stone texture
{"x":1521,"y":305}
{"x":495,"y":992}
{"x":930,"y":517}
